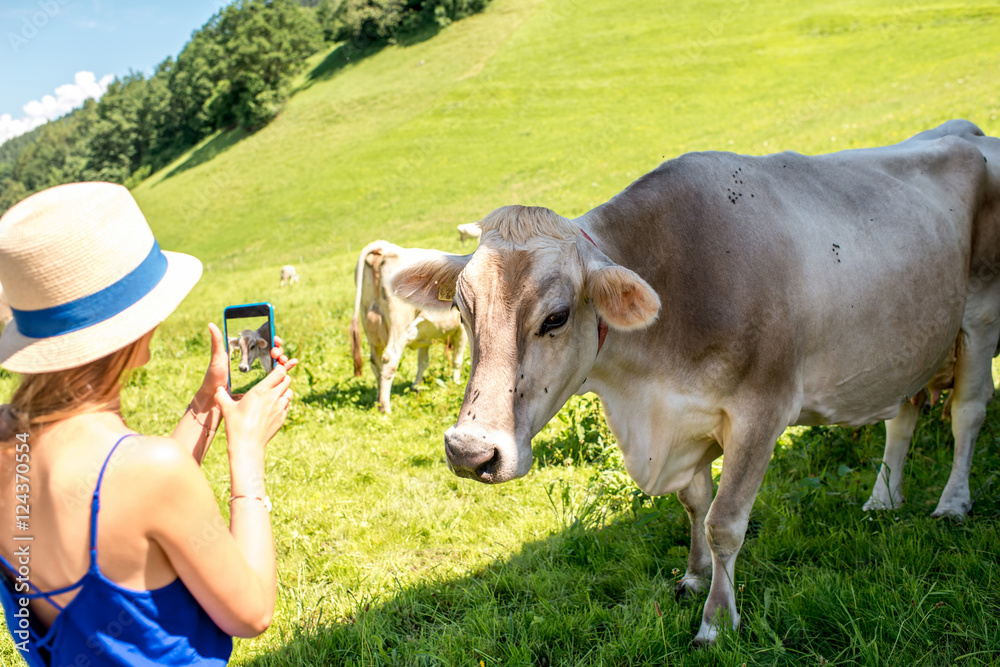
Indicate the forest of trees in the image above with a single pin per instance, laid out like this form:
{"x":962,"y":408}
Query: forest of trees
{"x":236,"y":71}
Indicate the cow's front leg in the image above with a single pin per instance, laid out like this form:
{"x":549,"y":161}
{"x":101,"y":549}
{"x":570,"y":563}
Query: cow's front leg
{"x":423,"y":359}
{"x":887,"y":493}
{"x":747,"y":448}
{"x":696,"y":498}
{"x":972,"y":393}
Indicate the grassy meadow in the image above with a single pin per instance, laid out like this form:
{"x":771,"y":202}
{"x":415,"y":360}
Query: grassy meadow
{"x":385,"y":557}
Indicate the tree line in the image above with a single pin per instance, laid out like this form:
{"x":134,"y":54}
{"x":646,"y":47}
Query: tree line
{"x":235,"y":72}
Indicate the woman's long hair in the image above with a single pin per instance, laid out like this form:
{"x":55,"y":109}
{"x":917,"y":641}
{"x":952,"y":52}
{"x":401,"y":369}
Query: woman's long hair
{"x":44,"y":398}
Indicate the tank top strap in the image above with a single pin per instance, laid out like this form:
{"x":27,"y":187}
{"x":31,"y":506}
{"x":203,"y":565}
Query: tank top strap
{"x":95,"y":504}
{"x":36,"y":592}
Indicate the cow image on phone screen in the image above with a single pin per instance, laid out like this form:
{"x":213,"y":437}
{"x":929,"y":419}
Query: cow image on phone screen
{"x":250,"y":336}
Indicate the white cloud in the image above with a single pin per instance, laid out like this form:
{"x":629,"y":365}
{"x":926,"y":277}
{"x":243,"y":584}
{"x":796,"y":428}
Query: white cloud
{"x":67,"y":97}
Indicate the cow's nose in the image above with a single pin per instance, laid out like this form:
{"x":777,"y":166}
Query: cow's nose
{"x":244,"y":368}
{"x":471,"y":454}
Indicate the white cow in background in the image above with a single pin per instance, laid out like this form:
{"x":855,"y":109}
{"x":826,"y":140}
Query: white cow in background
{"x":253,"y":345}
{"x":743,"y":294}
{"x":288,"y":275}
{"x":469,"y":230}
{"x":392,"y":325}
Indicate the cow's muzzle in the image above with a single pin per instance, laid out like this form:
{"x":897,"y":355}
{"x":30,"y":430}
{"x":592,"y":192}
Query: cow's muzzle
{"x":475,"y":454}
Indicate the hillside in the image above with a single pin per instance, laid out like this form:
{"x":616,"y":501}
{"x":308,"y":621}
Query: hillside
{"x":563,"y":103}
{"x":385,"y":557}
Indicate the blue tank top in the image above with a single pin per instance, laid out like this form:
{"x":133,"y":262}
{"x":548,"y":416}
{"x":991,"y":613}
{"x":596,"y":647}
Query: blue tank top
{"x":106,"y":624}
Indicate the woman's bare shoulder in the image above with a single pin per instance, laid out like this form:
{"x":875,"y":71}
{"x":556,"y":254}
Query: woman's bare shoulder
{"x":155,"y":474}
{"x":158,"y":455}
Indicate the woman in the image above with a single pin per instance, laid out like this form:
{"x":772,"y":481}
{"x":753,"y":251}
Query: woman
{"x":114,"y":550}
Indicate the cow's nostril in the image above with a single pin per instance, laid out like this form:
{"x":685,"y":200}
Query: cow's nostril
{"x":486,"y":470}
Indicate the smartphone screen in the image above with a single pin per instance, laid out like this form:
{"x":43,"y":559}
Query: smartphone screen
{"x":249,"y":330}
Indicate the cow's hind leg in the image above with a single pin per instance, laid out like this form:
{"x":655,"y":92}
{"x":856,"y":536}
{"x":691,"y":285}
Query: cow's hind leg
{"x":423,"y":359}
{"x":748,"y":444}
{"x":888,"y":490}
{"x":696,"y":498}
{"x":972,"y":393}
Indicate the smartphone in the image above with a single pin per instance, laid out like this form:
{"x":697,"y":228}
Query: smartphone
{"x":249,"y":333}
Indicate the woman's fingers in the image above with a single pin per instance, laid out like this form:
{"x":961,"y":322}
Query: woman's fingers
{"x":283,"y":386}
{"x":216,"y":335}
{"x":224,"y":400}
{"x":272,"y":379}
{"x":276,"y":350}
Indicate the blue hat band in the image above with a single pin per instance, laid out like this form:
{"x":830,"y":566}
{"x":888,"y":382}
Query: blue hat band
{"x":97,"y":307}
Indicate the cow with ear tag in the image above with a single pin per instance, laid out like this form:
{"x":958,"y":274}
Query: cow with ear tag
{"x":721,"y":298}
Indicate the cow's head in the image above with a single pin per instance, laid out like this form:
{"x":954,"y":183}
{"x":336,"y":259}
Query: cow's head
{"x":531,"y":297}
{"x":252,"y":345}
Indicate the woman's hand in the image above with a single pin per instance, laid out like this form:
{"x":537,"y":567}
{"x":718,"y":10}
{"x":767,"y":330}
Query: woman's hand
{"x":253,"y":419}
{"x":217,"y":374}
{"x":279,"y":356}
{"x":197,"y":426}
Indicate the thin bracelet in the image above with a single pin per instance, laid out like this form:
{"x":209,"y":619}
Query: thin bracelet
{"x":203,"y":425}
{"x":266,"y":500}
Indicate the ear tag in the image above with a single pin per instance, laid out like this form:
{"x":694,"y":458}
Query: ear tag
{"x":446,"y":292}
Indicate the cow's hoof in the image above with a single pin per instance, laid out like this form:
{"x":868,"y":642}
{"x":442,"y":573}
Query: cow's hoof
{"x":688,"y":587}
{"x":706,"y":636}
{"x":879,"y":504}
{"x":956,"y":510}
{"x":709,"y":633}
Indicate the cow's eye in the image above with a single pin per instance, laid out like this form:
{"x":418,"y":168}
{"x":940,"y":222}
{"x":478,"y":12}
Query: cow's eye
{"x":554,"y":321}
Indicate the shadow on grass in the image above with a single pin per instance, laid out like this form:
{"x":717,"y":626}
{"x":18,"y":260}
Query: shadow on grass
{"x":354,"y":393}
{"x":352,"y":52}
{"x":361,"y":393}
{"x":826,"y":593}
{"x":819,"y":580}
{"x":560,"y":596}
{"x":215,"y":146}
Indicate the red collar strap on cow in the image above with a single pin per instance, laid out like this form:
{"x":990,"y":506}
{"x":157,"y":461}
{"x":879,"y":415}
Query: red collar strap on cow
{"x":602,"y":326}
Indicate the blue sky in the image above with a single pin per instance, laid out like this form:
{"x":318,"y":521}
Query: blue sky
{"x":45,"y":43}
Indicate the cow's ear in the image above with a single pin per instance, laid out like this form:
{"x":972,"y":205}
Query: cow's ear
{"x":262,"y":343}
{"x":621,"y":298}
{"x":233,"y":342}
{"x":429,"y":282}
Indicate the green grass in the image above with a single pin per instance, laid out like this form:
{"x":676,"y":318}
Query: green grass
{"x":385,"y":557}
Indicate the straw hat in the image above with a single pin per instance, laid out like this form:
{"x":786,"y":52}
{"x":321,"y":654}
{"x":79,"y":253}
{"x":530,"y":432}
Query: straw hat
{"x":84,"y":277}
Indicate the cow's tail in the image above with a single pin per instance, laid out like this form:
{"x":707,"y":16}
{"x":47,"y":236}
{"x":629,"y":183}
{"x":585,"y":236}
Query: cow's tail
{"x":359,"y":274}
